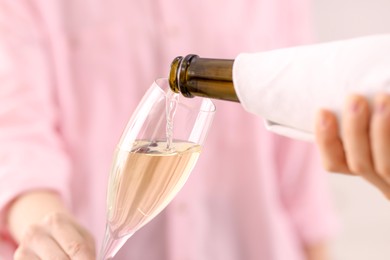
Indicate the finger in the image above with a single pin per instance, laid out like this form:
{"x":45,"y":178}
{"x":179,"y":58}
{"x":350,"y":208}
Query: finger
{"x":355,"y":128}
{"x":23,"y":253}
{"x":329,"y":143}
{"x":380,"y":136}
{"x":38,"y":241}
{"x":357,"y":143}
{"x":74,"y":241}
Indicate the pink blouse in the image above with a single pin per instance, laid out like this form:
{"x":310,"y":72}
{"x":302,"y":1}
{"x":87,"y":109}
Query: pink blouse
{"x":71,"y":74}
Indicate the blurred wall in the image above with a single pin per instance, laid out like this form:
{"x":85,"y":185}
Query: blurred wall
{"x":336,"y":19}
{"x":364,"y":212}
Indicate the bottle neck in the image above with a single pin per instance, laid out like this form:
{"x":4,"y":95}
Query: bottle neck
{"x":195,"y":76}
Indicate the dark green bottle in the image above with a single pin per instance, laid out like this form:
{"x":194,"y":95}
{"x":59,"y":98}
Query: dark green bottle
{"x":194,"y":76}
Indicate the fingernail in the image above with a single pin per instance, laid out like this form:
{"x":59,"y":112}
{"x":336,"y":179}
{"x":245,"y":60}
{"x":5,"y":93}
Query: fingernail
{"x":324,"y":121}
{"x":381,"y":107}
{"x":355,"y":106}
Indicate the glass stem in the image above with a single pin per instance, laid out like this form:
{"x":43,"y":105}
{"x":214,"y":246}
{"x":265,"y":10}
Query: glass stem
{"x":111,"y":246}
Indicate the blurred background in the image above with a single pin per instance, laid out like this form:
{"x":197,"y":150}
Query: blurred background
{"x":364,"y":213}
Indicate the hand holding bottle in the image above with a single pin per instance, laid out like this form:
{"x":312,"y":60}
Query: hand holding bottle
{"x":364,"y":149}
{"x":287,"y":86}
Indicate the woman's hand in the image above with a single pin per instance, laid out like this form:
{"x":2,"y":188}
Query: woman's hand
{"x":57,"y":236}
{"x":44,"y":229}
{"x":364,"y":148}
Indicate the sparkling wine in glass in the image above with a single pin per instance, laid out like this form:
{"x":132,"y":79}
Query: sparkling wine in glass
{"x":155,"y":156}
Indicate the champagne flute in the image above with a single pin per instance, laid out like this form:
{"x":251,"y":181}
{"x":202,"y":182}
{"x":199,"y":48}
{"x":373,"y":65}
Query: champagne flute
{"x":155,"y":156}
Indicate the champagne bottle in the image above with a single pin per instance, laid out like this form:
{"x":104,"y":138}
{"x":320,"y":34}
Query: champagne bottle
{"x":287,"y":86}
{"x":195,"y":76}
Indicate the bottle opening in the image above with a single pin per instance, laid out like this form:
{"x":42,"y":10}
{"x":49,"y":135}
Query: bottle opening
{"x":178,"y":74}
